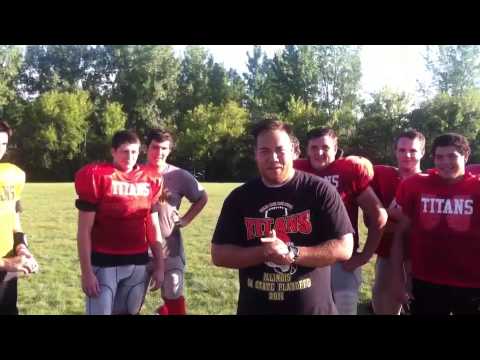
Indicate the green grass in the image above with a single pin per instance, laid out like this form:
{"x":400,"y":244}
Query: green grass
{"x":50,"y":220}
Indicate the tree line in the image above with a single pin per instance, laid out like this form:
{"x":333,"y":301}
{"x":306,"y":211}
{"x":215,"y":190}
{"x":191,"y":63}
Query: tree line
{"x":66,"y":101}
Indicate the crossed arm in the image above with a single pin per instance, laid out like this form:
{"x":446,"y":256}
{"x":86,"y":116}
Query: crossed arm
{"x":275,"y":250}
{"x":23,"y":261}
{"x":376,"y":219}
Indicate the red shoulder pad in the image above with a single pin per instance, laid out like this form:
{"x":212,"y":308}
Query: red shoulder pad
{"x":362,"y":166}
{"x":87,"y":182}
{"x":156,"y":182}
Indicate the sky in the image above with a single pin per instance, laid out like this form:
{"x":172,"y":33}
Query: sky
{"x":396,"y":66}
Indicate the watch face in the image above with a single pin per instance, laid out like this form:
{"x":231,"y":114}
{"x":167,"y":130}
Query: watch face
{"x":294,"y":250}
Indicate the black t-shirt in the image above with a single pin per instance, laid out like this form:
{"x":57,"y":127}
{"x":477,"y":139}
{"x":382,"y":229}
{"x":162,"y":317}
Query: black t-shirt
{"x":306,"y":211}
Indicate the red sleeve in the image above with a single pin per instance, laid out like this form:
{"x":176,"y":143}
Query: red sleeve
{"x":157,"y":190}
{"x":302,"y":165}
{"x":385,"y":183}
{"x":375,"y":184}
{"x":362,"y":172}
{"x":156,"y":183}
{"x":402,"y":197}
{"x":87,"y":184}
{"x":473,"y":168}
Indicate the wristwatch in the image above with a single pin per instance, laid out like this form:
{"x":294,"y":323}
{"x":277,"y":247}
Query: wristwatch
{"x":292,"y":249}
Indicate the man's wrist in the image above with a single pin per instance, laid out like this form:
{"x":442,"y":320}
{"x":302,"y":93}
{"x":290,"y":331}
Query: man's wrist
{"x":182,"y":222}
{"x":21,"y":247}
{"x":365,"y":256}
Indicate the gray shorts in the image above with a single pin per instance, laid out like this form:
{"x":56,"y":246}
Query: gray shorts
{"x":122,"y":290}
{"x":345,"y":281}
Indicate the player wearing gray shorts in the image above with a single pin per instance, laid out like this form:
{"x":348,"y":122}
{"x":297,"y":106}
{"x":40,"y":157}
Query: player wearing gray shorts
{"x":178,"y":183}
{"x":117,"y":225}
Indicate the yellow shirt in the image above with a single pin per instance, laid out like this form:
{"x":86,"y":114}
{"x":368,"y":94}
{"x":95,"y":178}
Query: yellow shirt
{"x":12,"y":181}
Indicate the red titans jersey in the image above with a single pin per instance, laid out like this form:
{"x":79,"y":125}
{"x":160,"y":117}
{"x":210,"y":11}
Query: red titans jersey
{"x":122,"y":203}
{"x":445,"y":233}
{"x":350,"y":175}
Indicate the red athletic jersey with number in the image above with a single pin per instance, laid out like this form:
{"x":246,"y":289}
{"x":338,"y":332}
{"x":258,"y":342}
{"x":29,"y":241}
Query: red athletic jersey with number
{"x":385,"y":183}
{"x":350,"y":176}
{"x":122,"y":202}
{"x":445,"y":232}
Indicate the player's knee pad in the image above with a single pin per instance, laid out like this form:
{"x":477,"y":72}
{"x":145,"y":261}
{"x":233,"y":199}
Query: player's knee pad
{"x":173,"y":283}
{"x":172,"y":287}
{"x":345,"y":287}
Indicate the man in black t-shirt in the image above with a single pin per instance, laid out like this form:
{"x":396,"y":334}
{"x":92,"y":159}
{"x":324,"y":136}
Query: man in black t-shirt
{"x":282,"y":231}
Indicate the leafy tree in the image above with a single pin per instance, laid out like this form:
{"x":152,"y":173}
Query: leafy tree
{"x":103,"y":124}
{"x":218,"y":87}
{"x":54,"y":67}
{"x":304,"y":117}
{"x":193,"y":79}
{"x":383,"y":119}
{"x":339,"y":76}
{"x":10,"y":65}
{"x":53,"y":141}
{"x":145,"y":83}
{"x":455,"y":68}
{"x":260,"y":95}
{"x":446,"y":113}
{"x":294,"y":73}
{"x":236,"y":88}
{"x":209,"y":129}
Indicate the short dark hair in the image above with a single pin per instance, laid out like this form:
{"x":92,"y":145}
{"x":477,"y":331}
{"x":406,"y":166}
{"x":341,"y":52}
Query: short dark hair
{"x":411,"y":134}
{"x":4,"y":127}
{"x":319,"y":132}
{"x":124,"y":137}
{"x":160,"y":135}
{"x":271,"y":124}
{"x":296,"y":145}
{"x":459,"y":142}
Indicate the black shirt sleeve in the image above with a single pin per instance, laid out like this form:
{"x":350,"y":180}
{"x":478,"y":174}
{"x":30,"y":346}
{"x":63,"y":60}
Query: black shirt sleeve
{"x":334,"y":219}
{"x":85,"y":205}
{"x":229,"y":229}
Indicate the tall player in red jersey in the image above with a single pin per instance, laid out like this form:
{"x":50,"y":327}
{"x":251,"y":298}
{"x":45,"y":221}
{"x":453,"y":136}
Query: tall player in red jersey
{"x":409,"y":150}
{"x":441,"y":210}
{"x":351,"y":176}
{"x":116,"y":204}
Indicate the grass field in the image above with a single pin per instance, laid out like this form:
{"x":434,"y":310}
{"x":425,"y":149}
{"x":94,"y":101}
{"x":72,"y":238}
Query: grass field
{"x":50,"y":220}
